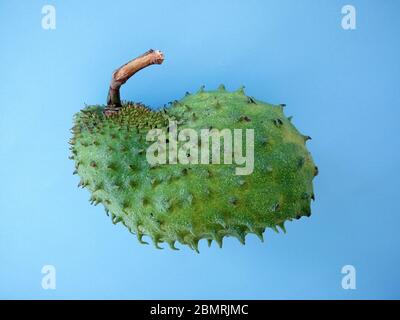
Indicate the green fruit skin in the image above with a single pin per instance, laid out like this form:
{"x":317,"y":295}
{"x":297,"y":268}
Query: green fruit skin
{"x":187,"y":203}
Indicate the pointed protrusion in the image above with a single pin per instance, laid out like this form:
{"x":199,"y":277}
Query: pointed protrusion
{"x":217,"y":238}
{"x":175,"y":103}
{"x":201,"y":90}
{"x":116,"y":219}
{"x":91,"y":199}
{"x":139,"y":236}
{"x":194,"y":244}
{"x":275,"y":229}
{"x":156,"y":242}
{"x":172,"y":245}
{"x":282,"y":226}
{"x":221,"y":87}
{"x":209,"y":242}
{"x":241,"y":90}
{"x":241,"y":236}
{"x":306,"y":138}
{"x":259,"y":234}
{"x":307,"y":211}
{"x":290,"y":118}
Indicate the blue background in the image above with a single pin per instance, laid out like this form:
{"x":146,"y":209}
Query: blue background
{"x":341,"y":86}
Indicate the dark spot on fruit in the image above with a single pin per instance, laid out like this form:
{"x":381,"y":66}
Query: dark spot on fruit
{"x":244,"y":118}
{"x":276,"y":207}
{"x":300,"y":162}
{"x":251,"y":100}
{"x":233,"y":201}
{"x":305,"y":196}
{"x":278,"y":122}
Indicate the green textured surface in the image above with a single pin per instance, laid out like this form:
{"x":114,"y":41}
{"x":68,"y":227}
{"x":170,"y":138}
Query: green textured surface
{"x":186,"y":203}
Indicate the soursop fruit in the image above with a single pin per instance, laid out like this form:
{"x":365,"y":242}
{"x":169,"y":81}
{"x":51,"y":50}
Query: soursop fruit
{"x":187,"y":202}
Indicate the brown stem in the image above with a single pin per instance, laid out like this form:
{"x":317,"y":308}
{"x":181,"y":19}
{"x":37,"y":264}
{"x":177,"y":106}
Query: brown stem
{"x":121,"y":75}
